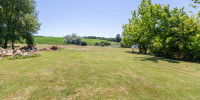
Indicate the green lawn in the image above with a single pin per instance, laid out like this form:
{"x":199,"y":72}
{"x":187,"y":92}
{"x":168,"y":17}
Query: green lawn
{"x":98,"y":73}
{"x":59,"y":40}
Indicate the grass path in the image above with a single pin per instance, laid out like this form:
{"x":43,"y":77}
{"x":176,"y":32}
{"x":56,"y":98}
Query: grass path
{"x":98,"y":73}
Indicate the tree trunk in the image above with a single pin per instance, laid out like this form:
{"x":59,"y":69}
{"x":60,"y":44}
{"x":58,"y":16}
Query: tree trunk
{"x":145,"y":50}
{"x":6,"y":44}
{"x":140,"y":49}
{"x":13,"y":46}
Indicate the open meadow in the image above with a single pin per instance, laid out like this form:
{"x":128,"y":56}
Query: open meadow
{"x":76,"y":72}
{"x":60,"y":41}
{"x":100,"y":50}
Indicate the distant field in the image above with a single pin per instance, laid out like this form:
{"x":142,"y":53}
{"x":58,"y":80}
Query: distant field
{"x":49,"y":40}
{"x":59,"y":41}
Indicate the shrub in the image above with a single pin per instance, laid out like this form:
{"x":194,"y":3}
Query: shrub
{"x":83,"y":43}
{"x":97,"y":44}
{"x":72,"y":39}
{"x":78,"y":40}
{"x":67,"y":39}
{"x":105,"y":43}
{"x":54,"y":48}
{"x":102,"y":43}
{"x":122,"y":44}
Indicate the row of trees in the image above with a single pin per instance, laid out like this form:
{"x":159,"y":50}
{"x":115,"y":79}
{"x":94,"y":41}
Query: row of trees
{"x":165,"y":32}
{"x":117,"y":39}
{"x":18,"y":22}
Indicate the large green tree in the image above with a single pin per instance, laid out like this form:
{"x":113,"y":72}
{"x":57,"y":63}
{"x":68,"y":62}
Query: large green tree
{"x":20,"y":20}
{"x":168,"y":33}
{"x":142,"y":26}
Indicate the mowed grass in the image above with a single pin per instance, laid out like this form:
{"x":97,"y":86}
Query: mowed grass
{"x":98,"y":73}
{"x":60,"y":41}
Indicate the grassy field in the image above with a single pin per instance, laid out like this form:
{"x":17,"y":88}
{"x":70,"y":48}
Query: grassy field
{"x":59,"y":40}
{"x":49,"y":40}
{"x":98,"y":73}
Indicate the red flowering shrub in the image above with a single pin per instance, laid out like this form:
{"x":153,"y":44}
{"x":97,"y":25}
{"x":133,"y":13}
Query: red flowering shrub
{"x":54,"y":48}
{"x":83,"y":43}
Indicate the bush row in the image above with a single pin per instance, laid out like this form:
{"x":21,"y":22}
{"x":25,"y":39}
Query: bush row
{"x":102,"y":43}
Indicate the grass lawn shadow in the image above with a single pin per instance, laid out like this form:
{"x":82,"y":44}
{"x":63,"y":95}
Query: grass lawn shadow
{"x":152,"y":58}
{"x":156,"y":59}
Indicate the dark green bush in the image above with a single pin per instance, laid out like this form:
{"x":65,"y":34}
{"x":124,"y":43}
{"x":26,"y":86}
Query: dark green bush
{"x":102,"y":44}
{"x":122,"y":44}
{"x":105,"y":43}
{"x":97,"y":44}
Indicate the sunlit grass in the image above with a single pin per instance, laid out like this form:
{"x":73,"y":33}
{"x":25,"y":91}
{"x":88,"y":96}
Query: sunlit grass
{"x":98,"y":73}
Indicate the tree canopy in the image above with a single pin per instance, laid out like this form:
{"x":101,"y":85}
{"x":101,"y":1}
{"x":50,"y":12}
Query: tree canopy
{"x":18,"y":21}
{"x":169,"y":33}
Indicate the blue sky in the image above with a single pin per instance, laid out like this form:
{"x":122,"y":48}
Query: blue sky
{"x":102,"y":18}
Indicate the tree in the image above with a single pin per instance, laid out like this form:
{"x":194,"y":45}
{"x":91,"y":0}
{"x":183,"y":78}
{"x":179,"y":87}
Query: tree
{"x":196,"y":1}
{"x":72,"y":39}
{"x":118,"y":38}
{"x":167,"y":33}
{"x":20,"y":19}
{"x":142,"y":26}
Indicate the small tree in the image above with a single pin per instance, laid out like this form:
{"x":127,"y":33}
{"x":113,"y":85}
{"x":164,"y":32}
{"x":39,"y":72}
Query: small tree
{"x":73,"y":39}
{"x":122,"y":44}
{"x":118,"y":38}
{"x":78,"y":40}
{"x":97,"y":44}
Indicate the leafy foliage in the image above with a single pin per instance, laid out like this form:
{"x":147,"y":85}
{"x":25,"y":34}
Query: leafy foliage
{"x":18,"y":21}
{"x":168,"y":33}
{"x":122,"y":44}
{"x":97,"y":44}
{"x":118,"y":38}
{"x":72,"y":39}
{"x":105,"y":43}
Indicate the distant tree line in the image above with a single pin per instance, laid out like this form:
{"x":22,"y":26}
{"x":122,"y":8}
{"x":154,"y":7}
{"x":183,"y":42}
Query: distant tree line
{"x":18,"y":22}
{"x":117,"y":39}
{"x":164,"y":32}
